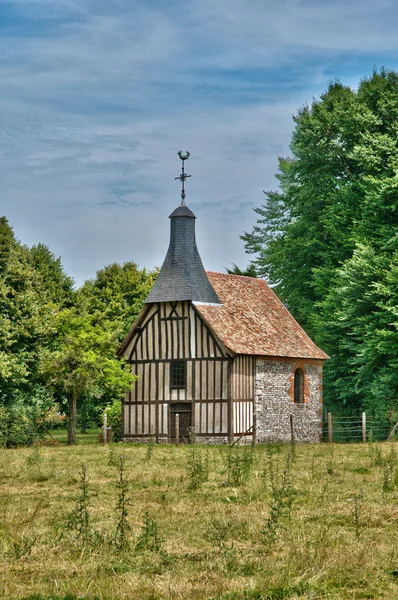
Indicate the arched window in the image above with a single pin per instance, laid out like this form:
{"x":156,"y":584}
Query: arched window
{"x":298,"y":386}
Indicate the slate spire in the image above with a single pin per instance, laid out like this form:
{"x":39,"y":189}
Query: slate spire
{"x":182,"y":276}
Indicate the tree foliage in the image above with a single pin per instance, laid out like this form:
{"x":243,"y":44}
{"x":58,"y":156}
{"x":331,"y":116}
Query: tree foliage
{"x":361,"y":322}
{"x":83,"y":364}
{"x":54,"y":338}
{"x":30,"y":297}
{"x":328,"y":236}
{"x":250,"y":270}
{"x":117,"y":294}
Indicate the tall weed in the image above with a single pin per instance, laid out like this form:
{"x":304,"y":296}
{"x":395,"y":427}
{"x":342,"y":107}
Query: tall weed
{"x":197,"y":467}
{"x":149,"y":538}
{"x":356,"y":510}
{"x":149,"y":449}
{"x":281,"y":500}
{"x":121,"y":538}
{"x":238,"y":464}
{"x":78,"y":522}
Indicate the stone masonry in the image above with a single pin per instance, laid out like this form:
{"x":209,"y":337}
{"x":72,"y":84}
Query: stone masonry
{"x":274,"y":401}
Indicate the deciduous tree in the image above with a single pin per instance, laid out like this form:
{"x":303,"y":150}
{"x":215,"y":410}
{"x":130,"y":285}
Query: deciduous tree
{"x":117,"y":294}
{"x":83,"y":365}
{"x":337,"y":208}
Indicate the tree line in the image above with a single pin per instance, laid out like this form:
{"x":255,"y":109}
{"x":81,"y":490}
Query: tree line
{"x":327,"y":239}
{"x":58,"y":344}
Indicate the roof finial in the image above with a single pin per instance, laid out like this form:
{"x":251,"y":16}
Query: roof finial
{"x":183,"y":175}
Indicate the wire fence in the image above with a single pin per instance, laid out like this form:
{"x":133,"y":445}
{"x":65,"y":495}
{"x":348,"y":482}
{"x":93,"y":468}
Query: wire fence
{"x":355,"y":429}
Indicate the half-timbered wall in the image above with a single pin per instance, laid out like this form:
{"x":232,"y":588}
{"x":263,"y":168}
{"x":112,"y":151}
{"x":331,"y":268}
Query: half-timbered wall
{"x":172,"y":331}
{"x":243,"y":391}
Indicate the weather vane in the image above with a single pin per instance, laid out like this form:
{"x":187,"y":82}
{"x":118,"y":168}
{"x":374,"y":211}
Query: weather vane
{"x":183,"y":175}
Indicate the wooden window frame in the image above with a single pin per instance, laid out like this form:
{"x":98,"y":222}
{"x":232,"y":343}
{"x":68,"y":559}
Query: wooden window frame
{"x":298,"y":389}
{"x":176,"y":385}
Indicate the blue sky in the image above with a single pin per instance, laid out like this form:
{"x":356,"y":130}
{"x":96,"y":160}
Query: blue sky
{"x":97,"y":97}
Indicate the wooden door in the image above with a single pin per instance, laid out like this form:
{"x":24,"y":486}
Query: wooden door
{"x":184,"y":412}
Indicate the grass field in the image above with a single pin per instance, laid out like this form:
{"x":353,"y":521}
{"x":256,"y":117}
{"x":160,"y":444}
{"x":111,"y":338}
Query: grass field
{"x":272,"y":523}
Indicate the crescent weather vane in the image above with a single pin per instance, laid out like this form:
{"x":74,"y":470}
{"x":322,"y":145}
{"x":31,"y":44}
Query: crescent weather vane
{"x":183,"y":175}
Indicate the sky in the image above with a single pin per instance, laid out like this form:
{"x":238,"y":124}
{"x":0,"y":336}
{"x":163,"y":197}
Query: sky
{"x":98,"y":96}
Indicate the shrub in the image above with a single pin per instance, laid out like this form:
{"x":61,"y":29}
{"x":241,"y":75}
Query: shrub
{"x":114,"y":412}
{"x":21,"y":424}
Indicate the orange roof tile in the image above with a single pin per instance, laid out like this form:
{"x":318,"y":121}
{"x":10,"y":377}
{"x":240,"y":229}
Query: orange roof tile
{"x":253,"y":320}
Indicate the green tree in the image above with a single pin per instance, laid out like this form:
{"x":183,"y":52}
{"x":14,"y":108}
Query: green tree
{"x":83,"y":365}
{"x":33,"y":288}
{"x":52,"y":337}
{"x":58,"y":286}
{"x":7,"y":243}
{"x":26,"y":318}
{"x":250,"y":270}
{"x":303,"y":228}
{"x":361,"y":321}
{"x":117,"y":294}
{"x":113,"y":298}
{"x":337,"y":195}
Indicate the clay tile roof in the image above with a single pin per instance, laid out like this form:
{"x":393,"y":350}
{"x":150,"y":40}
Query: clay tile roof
{"x":252,"y":320}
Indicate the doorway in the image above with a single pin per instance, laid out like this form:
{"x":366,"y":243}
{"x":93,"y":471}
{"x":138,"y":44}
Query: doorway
{"x":184,"y":412}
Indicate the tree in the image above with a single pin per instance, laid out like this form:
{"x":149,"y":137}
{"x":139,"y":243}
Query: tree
{"x":337,"y":196}
{"x":117,"y":294}
{"x":26,"y":318}
{"x":54,"y":337}
{"x":362,"y":322}
{"x":302,"y":226}
{"x":7,"y":243}
{"x":250,"y":270}
{"x":83,"y":365}
{"x":57,"y":285}
{"x":33,"y":288}
{"x":113,"y":300}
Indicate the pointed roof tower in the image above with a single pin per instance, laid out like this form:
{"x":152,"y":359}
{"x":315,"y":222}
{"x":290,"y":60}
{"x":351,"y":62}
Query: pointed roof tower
{"x":182,"y":276}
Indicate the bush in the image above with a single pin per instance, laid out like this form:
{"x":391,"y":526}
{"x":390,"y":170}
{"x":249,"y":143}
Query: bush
{"x":22,"y":427}
{"x":17,"y":426}
{"x":114,"y":412}
{"x":21,"y":424}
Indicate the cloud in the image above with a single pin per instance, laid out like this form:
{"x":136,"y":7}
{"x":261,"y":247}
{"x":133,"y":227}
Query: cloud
{"x":97,"y":97}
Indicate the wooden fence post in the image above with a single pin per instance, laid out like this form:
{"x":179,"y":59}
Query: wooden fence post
{"x":330,"y":428}
{"x":177,"y":428}
{"x":291,"y":430}
{"x":254,"y":439}
{"x":364,"y":427}
{"x":104,"y":430}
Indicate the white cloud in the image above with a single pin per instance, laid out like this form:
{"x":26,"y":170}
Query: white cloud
{"x":97,"y":97}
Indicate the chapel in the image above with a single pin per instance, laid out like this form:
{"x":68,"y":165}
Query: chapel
{"x":218,"y":355}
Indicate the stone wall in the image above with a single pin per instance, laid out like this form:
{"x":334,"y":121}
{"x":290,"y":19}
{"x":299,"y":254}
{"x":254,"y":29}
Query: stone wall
{"x":208,"y":439}
{"x":274,"y":401}
{"x":216,"y":440}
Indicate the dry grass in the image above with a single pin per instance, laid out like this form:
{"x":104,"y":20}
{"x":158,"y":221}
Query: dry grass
{"x":339,"y":543}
